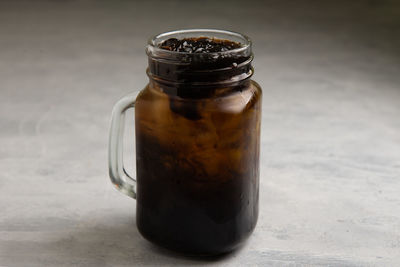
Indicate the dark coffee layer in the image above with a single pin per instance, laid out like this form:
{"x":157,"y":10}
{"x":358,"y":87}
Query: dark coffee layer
{"x":199,"y":45}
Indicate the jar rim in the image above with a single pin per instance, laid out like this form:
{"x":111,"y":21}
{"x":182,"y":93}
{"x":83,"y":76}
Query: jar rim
{"x":212,"y":68}
{"x":153,"y":49}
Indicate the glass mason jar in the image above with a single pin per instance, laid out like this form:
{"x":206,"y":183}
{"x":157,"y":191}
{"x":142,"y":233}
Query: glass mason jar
{"x":197,"y":127}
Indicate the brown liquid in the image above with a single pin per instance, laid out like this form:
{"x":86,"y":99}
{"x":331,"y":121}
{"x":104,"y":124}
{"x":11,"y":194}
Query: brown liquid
{"x":197,"y":165}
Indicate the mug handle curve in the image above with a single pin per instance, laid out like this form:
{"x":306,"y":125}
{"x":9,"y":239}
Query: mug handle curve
{"x":123,"y":181}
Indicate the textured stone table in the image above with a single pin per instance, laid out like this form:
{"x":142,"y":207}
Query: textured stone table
{"x":330,"y":176}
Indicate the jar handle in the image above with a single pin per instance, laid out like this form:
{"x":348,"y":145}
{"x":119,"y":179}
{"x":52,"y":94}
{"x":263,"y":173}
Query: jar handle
{"x":118,"y":175}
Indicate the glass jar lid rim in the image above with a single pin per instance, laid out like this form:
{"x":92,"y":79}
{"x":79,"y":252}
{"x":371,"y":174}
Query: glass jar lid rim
{"x":244,"y":41}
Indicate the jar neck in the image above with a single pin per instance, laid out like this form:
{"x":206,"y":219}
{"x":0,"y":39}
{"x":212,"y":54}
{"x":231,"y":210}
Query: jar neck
{"x":221,"y":72}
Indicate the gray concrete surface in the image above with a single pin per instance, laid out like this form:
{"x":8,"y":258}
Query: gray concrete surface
{"x":330,"y":177}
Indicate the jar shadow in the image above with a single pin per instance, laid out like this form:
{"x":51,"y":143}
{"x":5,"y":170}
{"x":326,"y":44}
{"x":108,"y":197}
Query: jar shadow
{"x":122,"y":244}
{"x":98,"y":242}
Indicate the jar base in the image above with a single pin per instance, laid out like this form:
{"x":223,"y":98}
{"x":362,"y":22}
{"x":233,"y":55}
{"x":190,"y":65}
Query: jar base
{"x":186,"y":252}
{"x":188,"y":237}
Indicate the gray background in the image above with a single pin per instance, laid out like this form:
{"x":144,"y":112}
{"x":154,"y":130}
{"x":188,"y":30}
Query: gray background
{"x":330,"y":175}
